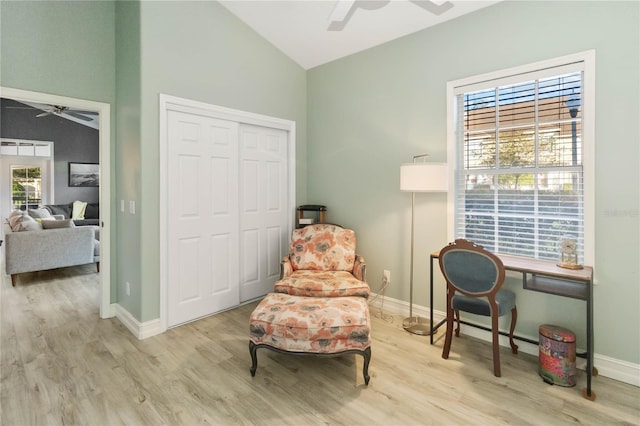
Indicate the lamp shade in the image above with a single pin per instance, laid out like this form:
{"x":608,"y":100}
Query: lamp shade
{"x":424,"y":177}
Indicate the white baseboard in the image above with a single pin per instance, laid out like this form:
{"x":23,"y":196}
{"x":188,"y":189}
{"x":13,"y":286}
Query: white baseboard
{"x":138,"y":329}
{"x":612,"y":368}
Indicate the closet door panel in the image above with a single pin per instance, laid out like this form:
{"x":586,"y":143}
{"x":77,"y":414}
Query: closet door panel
{"x":263,"y":176}
{"x":203,"y":224}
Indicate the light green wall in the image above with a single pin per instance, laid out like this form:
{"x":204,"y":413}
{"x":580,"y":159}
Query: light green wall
{"x":200,"y":51}
{"x":127,"y":169}
{"x":64,"y":48}
{"x":372,"y":111}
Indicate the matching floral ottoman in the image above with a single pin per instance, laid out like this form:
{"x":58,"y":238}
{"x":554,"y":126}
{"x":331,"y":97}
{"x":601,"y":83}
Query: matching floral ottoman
{"x":326,"y":326}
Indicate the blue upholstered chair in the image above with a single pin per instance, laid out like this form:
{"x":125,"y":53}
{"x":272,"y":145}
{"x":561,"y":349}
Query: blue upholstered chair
{"x":474,"y":279}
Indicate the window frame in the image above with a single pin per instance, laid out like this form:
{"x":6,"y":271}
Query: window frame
{"x":587,"y":58}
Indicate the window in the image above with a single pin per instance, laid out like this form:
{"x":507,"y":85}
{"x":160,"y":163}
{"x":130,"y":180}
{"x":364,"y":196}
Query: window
{"x":26,"y":148}
{"x":26,"y":187}
{"x":523,"y":168}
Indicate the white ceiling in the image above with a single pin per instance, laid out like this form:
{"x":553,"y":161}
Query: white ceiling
{"x":304,"y":30}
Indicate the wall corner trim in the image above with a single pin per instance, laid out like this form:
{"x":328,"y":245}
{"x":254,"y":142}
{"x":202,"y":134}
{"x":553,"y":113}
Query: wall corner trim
{"x":140,"y":330}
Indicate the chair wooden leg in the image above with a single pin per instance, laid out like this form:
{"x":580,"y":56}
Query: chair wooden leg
{"x":14,"y":279}
{"x":514,"y":318}
{"x":98,"y":267}
{"x":457,"y":312}
{"x":496,"y":344}
{"x":448,"y":335}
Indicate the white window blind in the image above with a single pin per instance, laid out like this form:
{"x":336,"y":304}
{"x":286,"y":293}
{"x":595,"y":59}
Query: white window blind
{"x":519,"y":162}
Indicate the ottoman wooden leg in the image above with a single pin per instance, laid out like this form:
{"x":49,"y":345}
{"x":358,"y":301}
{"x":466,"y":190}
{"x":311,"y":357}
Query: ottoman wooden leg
{"x":254,"y":358}
{"x":365,"y":368}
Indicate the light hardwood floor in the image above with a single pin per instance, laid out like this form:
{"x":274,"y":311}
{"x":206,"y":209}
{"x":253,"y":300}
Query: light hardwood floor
{"x":61,"y":364}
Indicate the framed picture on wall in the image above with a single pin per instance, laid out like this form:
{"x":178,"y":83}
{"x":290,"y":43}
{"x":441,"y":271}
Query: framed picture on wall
{"x":84,"y":174}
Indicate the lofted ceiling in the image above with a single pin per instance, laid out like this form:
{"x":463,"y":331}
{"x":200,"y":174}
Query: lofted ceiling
{"x":314,"y":32}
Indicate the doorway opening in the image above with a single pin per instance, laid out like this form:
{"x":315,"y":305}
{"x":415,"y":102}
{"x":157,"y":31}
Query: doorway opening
{"x":103,"y":114}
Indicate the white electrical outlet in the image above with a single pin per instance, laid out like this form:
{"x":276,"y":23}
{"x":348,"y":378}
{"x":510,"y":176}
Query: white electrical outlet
{"x":127,"y":288}
{"x":386,"y":274}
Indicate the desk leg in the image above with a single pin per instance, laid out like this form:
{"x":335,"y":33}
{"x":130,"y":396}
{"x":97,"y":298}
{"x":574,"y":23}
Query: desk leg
{"x":587,"y":392}
{"x":432,"y":330}
{"x":435,"y":327}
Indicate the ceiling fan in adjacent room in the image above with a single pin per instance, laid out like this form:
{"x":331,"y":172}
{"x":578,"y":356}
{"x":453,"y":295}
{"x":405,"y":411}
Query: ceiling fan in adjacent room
{"x":77,"y":113}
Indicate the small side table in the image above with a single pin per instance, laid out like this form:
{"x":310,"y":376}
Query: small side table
{"x":315,"y":208}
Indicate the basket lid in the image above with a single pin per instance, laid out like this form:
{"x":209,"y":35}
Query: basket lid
{"x":555,"y":332}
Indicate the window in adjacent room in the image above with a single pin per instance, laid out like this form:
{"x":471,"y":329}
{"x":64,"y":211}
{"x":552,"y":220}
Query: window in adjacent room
{"x":26,"y":187}
{"x":522,"y":144}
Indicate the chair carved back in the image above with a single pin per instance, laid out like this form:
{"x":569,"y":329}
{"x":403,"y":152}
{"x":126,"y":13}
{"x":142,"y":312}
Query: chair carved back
{"x":470,"y":269}
{"x":323,"y":247}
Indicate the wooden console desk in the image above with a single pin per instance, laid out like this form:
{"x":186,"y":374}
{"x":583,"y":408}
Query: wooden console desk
{"x":546,"y":277}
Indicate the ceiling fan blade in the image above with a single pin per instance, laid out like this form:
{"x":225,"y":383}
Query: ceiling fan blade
{"x":341,"y":10}
{"x":79,"y":116}
{"x":85,"y":112}
{"x":437,"y":7}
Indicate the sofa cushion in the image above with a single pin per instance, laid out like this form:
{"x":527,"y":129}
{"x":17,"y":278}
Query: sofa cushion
{"x":92,"y":211}
{"x":63,"y":209}
{"x":57,"y":224}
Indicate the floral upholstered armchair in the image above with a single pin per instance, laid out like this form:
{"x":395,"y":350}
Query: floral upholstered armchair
{"x":322,"y":262}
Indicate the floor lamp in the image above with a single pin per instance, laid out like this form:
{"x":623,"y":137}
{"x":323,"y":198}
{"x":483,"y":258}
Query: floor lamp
{"x":420,"y":177}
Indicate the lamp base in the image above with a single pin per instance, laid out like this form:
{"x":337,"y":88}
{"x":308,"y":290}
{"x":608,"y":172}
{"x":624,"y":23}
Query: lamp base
{"x":417,"y":325}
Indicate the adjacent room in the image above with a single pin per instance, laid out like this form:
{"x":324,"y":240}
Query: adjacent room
{"x":403,"y":134}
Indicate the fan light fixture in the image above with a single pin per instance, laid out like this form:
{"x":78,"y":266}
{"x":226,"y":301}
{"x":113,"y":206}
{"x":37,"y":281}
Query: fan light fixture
{"x":344,"y":10}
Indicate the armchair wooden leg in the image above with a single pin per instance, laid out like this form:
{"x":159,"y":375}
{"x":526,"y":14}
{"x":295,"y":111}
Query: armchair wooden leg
{"x":98,"y":267}
{"x":14,"y":279}
{"x":457,"y":311}
{"x":514,"y":318}
{"x":496,"y":344}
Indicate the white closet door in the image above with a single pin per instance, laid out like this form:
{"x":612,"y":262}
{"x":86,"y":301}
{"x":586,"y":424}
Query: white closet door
{"x":203,"y":226}
{"x":263,"y":213}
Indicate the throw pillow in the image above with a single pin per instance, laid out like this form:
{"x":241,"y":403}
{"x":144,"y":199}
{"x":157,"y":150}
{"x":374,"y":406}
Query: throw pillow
{"x":25,"y":223}
{"x":78,"y":210}
{"x":14,"y":217}
{"x":16,"y":213}
{"x":56,"y":224}
{"x":39,"y":213}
